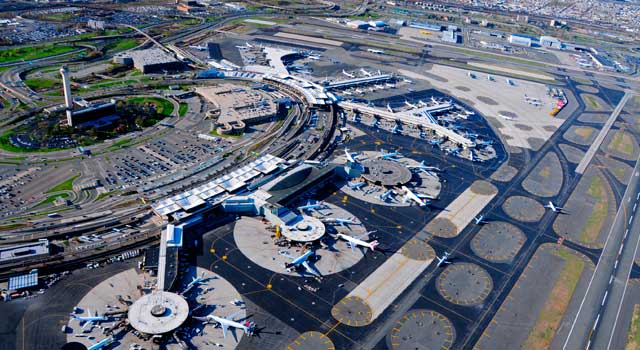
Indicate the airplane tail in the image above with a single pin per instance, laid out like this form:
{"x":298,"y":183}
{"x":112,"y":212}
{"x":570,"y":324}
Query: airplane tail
{"x":373,"y":245}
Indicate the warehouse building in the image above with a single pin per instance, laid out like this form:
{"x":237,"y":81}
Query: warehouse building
{"x":520,"y":40}
{"x":551,"y":42}
{"x":150,"y":60}
{"x":449,"y":36}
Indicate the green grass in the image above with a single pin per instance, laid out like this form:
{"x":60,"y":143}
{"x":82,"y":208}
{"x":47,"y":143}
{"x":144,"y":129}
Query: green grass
{"x":104,"y":195}
{"x":215,"y":133}
{"x":33,"y":52}
{"x":121,"y":44}
{"x":593,"y":103}
{"x":13,"y":226}
{"x":51,"y":198}
{"x":549,"y":319}
{"x":41,"y":83}
{"x":163,"y":106}
{"x":66,"y":185}
{"x":184,"y":107}
{"x":120,"y":144}
{"x":596,"y":220}
{"x":633,"y":337}
{"x":108,"y":84}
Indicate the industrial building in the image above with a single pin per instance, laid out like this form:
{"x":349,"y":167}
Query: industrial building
{"x":149,"y":60}
{"x":520,"y":40}
{"x":10,"y":254}
{"x":449,"y":36}
{"x":551,"y":42}
{"x":425,"y":26}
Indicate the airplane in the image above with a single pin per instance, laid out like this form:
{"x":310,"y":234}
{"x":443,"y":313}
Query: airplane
{"x":423,"y":168}
{"x":363,"y":71}
{"x":443,"y":260}
{"x":351,"y":156}
{"x":407,"y":81}
{"x":421,"y":103}
{"x":480,"y":220}
{"x":90,"y":320}
{"x":354,"y":242}
{"x":301,"y":261}
{"x":553,"y":207}
{"x":390,"y":85}
{"x":409,"y":195}
{"x":434,"y":100}
{"x":375,"y":123}
{"x":386,"y":195}
{"x":248,"y":45}
{"x":389,"y":156}
{"x":411,"y":105}
{"x":389,"y":108}
{"x":101,"y":344}
{"x":194,"y":281}
{"x":347,"y":93}
{"x":349,"y":75}
{"x":198,"y":47}
{"x":315,"y":58}
{"x":395,"y":129}
{"x":411,"y":90}
{"x":311,"y":207}
{"x":359,"y":92}
{"x":435,"y":142}
{"x":227,"y":322}
{"x":489,"y":77}
{"x":341,"y":222}
{"x":504,"y":116}
{"x":356,"y":185}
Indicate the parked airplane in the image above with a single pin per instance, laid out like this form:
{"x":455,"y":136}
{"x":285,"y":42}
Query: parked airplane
{"x":434,"y":100}
{"x":444,"y":259}
{"x":553,"y":207}
{"x":195,"y":281}
{"x":90,"y":320}
{"x":389,"y":108}
{"x":248,"y":45}
{"x":311,"y":207}
{"x":354,"y":242}
{"x":395,"y":129}
{"x":421,"y":103}
{"x":198,"y":47}
{"x":363,"y":71}
{"x":349,"y":75}
{"x":101,"y":344}
{"x":386,"y":195}
{"x":225,"y":323}
{"x":505,"y":116}
{"x":410,"y":196}
{"x":315,"y":58}
{"x":351,"y":156}
{"x":356,"y":185}
{"x":300,"y":262}
{"x":341,"y":222}
{"x":423,"y":168}
{"x":411,"y":105}
{"x":480,"y":220}
{"x":407,"y":81}
{"x":389,"y":156}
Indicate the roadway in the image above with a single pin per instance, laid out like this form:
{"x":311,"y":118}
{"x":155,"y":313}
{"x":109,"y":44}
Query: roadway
{"x":594,"y":323}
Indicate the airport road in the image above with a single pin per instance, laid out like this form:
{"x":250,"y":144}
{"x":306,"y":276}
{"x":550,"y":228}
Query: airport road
{"x":603,"y":132}
{"x":600,"y":306}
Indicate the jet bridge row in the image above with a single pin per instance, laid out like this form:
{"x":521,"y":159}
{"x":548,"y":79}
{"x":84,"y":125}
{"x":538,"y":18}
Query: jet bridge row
{"x":407,"y":118}
{"x":359,"y":81}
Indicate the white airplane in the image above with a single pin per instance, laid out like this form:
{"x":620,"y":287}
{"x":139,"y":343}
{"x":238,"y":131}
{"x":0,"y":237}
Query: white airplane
{"x":389,"y":156}
{"x":389,"y":108}
{"x":351,"y":156}
{"x":434,"y":101}
{"x":395,"y":129}
{"x":359,"y":92}
{"x":355,"y":242}
{"x":443,"y":260}
{"x":246,"y":43}
{"x":349,"y":75}
{"x":390,"y":85}
{"x":198,"y":47}
{"x":227,"y":322}
{"x":90,"y":320}
{"x":315,"y":58}
{"x":363,"y":71}
{"x":195,"y":281}
{"x":423,"y":168}
{"x":356,"y":185}
{"x":407,"y":81}
{"x":341,"y":222}
{"x":553,"y":207}
{"x":504,"y":116}
{"x":347,"y":93}
{"x":300,"y":262}
{"x":101,"y":344}
{"x":480,"y":220}
{"x":311,"y":207}
{"x":421,"y":103}
{"x":411,"y":105}
{"x":410,"y":196}
{"x":386,"y":195}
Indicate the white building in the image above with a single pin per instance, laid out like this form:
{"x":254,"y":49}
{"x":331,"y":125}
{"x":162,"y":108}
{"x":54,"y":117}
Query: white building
{"x":515,"y":39}
{"x":551,"y":42}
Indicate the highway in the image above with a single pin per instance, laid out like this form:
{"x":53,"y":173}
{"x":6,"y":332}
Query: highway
{"x":594,"y":323}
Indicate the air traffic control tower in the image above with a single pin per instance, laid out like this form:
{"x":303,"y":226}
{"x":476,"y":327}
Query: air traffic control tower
{"x":68,"y":99}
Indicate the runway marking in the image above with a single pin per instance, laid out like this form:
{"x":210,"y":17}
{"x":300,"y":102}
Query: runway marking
{"x":606,"y":293}
{"x":630,"y":219}
{"x":620,"y":250}
{"x":595,"y":324}
{"x":615,"y":265}
{"x":611,"y":279}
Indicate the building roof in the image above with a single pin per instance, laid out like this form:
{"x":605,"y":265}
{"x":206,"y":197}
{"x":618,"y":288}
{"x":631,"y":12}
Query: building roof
{"x":24,"y":281}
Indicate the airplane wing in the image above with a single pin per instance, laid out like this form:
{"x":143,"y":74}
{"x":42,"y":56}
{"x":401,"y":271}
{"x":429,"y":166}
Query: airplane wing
{"x":224,"y":329}
{"x":87,"y":325}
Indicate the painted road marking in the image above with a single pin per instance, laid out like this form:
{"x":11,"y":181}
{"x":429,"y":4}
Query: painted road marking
{"x":611,"y":279}
{"x":595,"y":324}
{"x":605,"y":297}
{"x":620,"y":250}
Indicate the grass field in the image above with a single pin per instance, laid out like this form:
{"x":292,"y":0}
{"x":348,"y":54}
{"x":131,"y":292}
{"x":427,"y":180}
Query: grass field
{"x":108,"y":84}
{"x":594,"y":224}
{"x":33,"y":52}
{"x":13,"y":226}
{"x":593,"y":103}
{"x":51,"y":198}
{"x":163,"y":106}
{"x":585,"y":132}
{"x":120,"y":144}
{"x":104,"y":195}
{"x":633,"y":337}
{"x":215,"y":133}
{"x":622,"y":143}
{"x":554,"y":308}
{"x":121,"y":44}
{"x":66,"y":185}
{"x":184,"y":107}
{"x":39,"y":84}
